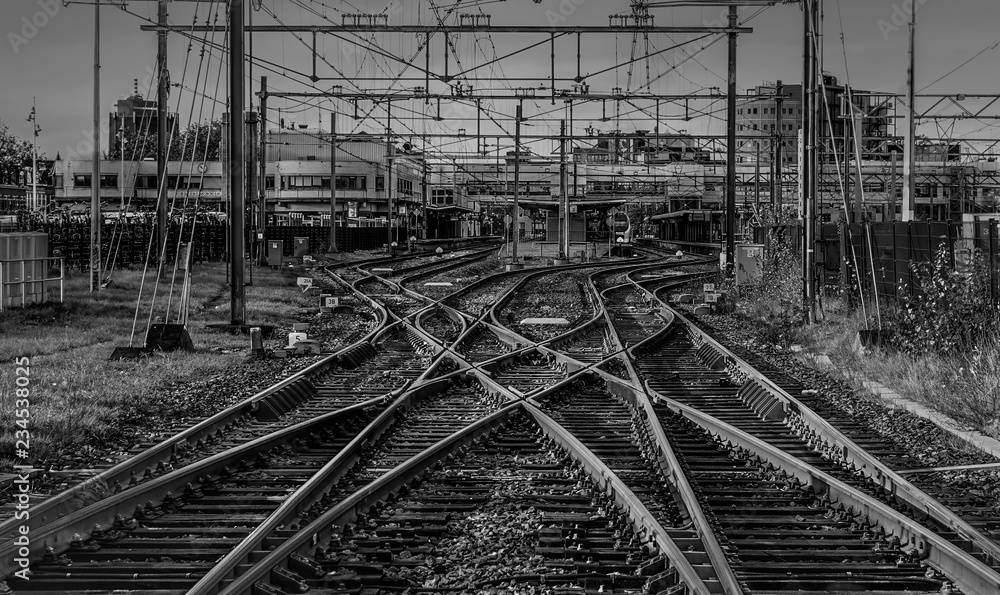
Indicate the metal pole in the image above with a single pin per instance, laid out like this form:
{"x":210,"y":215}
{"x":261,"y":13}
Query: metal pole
{"x":563,"y":192}
{"x":779,"y":150}
{"x":388,"y":174}
{"x":251,"y":151}
{"x":34,"y":154}
{"x":95,"y":177}
{"x":333,"y":183}
{"x":731,"y":148}
{"x":910,"y":163}
{"x":810,"y":137}
{"x":237,"y":164}
{"x":756,"y":176}
{"x":423,"y":190}
{"x":855,"y":149}
{"x":891,"y":215}
{"x":262,"y":164}
{"x":163,"y":91}
{"x":517,"y":180}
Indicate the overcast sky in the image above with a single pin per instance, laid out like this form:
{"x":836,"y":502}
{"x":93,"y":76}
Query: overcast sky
{"x":51,"y":58}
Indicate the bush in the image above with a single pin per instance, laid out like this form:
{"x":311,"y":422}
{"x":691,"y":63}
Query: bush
{"x":947,"y":311}
{"x":978,"y":379}
{"x":776,"y":299}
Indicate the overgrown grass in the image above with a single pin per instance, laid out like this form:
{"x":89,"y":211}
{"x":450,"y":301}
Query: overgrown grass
{"x":965,"y":387}
{"x":944,"y":334}
{"x":79,"y":401}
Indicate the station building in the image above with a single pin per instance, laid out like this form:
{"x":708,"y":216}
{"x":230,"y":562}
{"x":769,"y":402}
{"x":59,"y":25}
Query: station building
{"x":296,"y":185}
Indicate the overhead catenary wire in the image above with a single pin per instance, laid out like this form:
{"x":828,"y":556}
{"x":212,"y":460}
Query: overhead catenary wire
{"x":161,"y":183}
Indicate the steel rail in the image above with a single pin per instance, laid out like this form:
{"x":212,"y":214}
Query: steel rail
{"x":852,"y":454}
{"x":667,"y":459}
{"x":311,"y":491}
{"x":623,"y":495}
{"x":970,"y":574}
{"x":346,"y":510}
{"x":120,"y":475}
{"x":59,"y":534}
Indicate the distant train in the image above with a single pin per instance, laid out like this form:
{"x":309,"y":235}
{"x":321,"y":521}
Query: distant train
{"x":621,"y":227}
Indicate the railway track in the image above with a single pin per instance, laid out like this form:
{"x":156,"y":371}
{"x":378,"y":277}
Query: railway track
{"x":456,"y":449}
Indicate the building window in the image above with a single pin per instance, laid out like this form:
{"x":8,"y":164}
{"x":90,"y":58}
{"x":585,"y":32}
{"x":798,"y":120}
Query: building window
{"x":739,"y":111}
{"x":754,"y":110}
{"x":306,"y":181}
{"x":404,"y":186}
{"x":59,"y":181}
{"x":442,"y":196}
{"x":182,"y":183}
{"x":269,"y":182}
{"x":379,"y":184}
{"x":755,"y":127}
{"x":107,"y":180}
{"x":352,"y":182}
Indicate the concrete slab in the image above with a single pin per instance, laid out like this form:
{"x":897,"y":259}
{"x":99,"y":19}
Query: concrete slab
{"x":381,"y":270}
{"x":985,"y":443}
{"x":980,"y":440}
{"x":552,"y":321}
{"x":685,"y":298}
{"x":438,"y":284}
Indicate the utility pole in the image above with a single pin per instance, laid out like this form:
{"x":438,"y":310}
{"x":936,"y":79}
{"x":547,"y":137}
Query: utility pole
{"x":252,"y":141}
{"x":237,"y":165}
{"x":388,"y":174}
{"x":515,"y":223}
{"x":262,"y":172}
{"x":891,"y":215}
{"x":34,"y":156}
{"x":910,"y":161}
{"x":756,"y":176}
{"x":859,"y":188}
{"x":423,"y":191}
{"x":333,"y":183}
{"x":95,"y":175}
{"x":163,"y":90}
{"x":563,"y":192}
{"x":731,"y":148}
{"x":779,"y":150}
{"x":809,"y":135}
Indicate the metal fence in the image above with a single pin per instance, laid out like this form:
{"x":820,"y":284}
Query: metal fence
{"x":349,"y":239}
{"x":887,"y":252}
{"x":127,"y":243}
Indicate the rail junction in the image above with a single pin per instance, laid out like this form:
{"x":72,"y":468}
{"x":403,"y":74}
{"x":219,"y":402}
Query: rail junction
{"x":564,"y":429}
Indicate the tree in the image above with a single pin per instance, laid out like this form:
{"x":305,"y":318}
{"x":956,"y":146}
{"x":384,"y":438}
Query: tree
{"x":203,"y":142}
{"x":15,"y":156}
{"x":186,"y":145}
